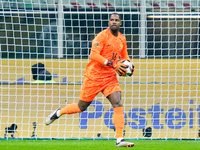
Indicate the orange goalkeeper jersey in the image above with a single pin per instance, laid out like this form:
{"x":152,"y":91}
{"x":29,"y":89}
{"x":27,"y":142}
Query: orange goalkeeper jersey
{"x":105,"y":46}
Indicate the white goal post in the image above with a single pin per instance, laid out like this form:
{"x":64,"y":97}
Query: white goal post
{"x":163,"y":43}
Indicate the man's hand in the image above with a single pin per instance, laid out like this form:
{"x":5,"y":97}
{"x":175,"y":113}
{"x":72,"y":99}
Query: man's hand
{"x":109,"y":63}
{"x":118,"y":66}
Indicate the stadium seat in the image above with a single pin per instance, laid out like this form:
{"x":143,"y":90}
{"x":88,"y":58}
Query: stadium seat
{"x":137,"y":4}
{"x":155,"y":5}
{"x":171,"y":5}
{"x":108,"y":5}
{"x":186,"y":5}
{"x":76,"y":5}
{"x":92,"y":5}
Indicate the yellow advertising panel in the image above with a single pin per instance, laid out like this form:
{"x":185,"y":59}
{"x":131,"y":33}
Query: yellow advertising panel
{"x":163,"y":94}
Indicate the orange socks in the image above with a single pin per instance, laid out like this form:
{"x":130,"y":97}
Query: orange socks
{"x":70,"y":109}
{"x":118,"y":116}
{"x":119,"y":121}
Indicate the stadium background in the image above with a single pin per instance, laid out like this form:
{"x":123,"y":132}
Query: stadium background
{"x":163,"y":93}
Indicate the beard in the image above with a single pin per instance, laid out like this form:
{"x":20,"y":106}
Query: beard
{"x":114,"y":30}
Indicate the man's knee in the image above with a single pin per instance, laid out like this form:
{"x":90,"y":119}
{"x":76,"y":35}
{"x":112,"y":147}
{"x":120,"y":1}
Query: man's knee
{"x":115,"y":99}
{"x":83,"y":105}
{"x":117,"y":104}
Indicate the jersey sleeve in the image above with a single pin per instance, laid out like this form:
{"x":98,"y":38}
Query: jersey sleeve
{"x":124,"y":53}
{"x":97,"y":47}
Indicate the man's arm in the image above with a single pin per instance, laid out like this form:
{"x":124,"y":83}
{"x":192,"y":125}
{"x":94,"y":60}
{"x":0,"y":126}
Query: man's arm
{"x":97,"y":57}
{"x":97,"y":47}
{"x":116,"y":65}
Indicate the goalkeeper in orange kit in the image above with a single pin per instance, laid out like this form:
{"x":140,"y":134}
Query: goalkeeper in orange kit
{"x":100,"y":76}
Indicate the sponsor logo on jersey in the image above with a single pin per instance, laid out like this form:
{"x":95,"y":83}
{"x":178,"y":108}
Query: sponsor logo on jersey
{"x":121,"y":47}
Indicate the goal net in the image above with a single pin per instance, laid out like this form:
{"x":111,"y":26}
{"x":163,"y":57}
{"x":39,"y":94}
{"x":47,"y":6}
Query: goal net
{"x":161,"y":100}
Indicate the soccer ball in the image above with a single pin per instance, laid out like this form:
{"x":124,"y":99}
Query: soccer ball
{"x":130,"y":67}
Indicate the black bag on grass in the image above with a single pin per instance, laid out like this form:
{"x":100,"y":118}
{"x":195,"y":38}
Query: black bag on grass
{"x":40,"y":73}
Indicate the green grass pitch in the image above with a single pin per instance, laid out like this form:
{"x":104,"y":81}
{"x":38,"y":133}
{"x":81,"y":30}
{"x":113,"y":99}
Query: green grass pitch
{"x":98,"y":145}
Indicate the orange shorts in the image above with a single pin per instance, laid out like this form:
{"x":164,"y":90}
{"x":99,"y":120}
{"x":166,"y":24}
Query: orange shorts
{"x":91,"y":88}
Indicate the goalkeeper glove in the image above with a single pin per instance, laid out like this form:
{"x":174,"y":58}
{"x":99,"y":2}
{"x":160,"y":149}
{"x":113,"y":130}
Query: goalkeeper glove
{"x":117,"y":66}
{"x":133,"y":69}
